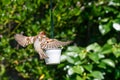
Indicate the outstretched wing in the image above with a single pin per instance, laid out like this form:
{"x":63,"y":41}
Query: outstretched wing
{"x":53,"y":43}
{"x":23,"y":40}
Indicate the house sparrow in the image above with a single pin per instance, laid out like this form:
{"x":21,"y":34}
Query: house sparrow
{"x":41,"y":42}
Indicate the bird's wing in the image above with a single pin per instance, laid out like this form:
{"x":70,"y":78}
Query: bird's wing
{"x":23,"y":40}
{"x":53,"y":43}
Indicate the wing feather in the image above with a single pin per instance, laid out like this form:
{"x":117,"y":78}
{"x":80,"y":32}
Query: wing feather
{"x":53,"y":43}
{"x":23,"y":40}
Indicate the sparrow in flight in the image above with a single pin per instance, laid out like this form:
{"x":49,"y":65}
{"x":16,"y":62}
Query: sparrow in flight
{"x":41,"y":42}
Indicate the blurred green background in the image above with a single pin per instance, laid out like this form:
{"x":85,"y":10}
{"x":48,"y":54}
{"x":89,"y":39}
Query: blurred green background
{"x":92,"y":25}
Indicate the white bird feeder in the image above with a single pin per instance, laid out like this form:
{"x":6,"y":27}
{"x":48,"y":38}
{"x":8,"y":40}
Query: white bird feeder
{"x":54,"y":56}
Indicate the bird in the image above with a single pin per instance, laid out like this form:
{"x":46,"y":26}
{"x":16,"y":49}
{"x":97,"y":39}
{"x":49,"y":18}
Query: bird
{"x":40,"y":42}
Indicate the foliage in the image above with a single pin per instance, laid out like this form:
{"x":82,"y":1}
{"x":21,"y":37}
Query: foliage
{"x":93,"y":62}
{"x":92,"y":25}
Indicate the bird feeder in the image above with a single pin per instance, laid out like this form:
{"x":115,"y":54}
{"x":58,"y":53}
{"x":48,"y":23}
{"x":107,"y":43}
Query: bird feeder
{"x":54,"y":56}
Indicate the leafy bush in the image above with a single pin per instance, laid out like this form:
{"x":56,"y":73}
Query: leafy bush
{"x":92,"y":25}
{"x":93,"y":62}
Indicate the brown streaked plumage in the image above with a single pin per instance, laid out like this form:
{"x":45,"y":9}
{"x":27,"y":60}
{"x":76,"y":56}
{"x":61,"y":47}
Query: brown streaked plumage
{"x":38,"y":49}
{"x":40,"y":42}
{"x":24,"y":40}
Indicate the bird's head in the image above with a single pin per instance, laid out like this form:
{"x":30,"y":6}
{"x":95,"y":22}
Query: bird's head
{"x":42,"y":34}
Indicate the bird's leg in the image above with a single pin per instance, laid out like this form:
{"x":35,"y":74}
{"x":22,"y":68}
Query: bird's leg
{"x":42,"y":55}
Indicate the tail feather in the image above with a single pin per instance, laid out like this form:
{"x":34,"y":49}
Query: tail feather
{"x":65,"y":43}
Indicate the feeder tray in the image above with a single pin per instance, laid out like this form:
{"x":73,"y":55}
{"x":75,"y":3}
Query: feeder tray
{"x":54,"y":56}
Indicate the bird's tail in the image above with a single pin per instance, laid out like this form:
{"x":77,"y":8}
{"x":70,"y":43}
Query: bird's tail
{"x":65,"y":43}
{"x":43,"y":56}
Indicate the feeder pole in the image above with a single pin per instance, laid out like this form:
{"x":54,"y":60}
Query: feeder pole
{"x":51,"y":17}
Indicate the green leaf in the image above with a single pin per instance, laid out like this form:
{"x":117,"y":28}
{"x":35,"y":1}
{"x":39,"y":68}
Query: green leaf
{"x":78,"y":69}
{"x":107,"y":49}
{"x":6,"y":2}
{"x":95,"y":47}
{"x":70,"y":60}
{"x":97,"y":75}
{"x":117,"y":74}
{"x":20,"y":68}
{"x":111,"y":41}
{"x":82,"y":54}
{"x":116,"y":26}
{"x":78,"y":78}
{"x":109,"y":62}
{"x":73,"y":48}
{"x":116,"y":50}
{"x":102,"y":65}
{"x":2,"y":69}
{"x":104,"y":20}
{"x":94,"y":57}
{"x":88,"y":67}
{"x":104,"y":29}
